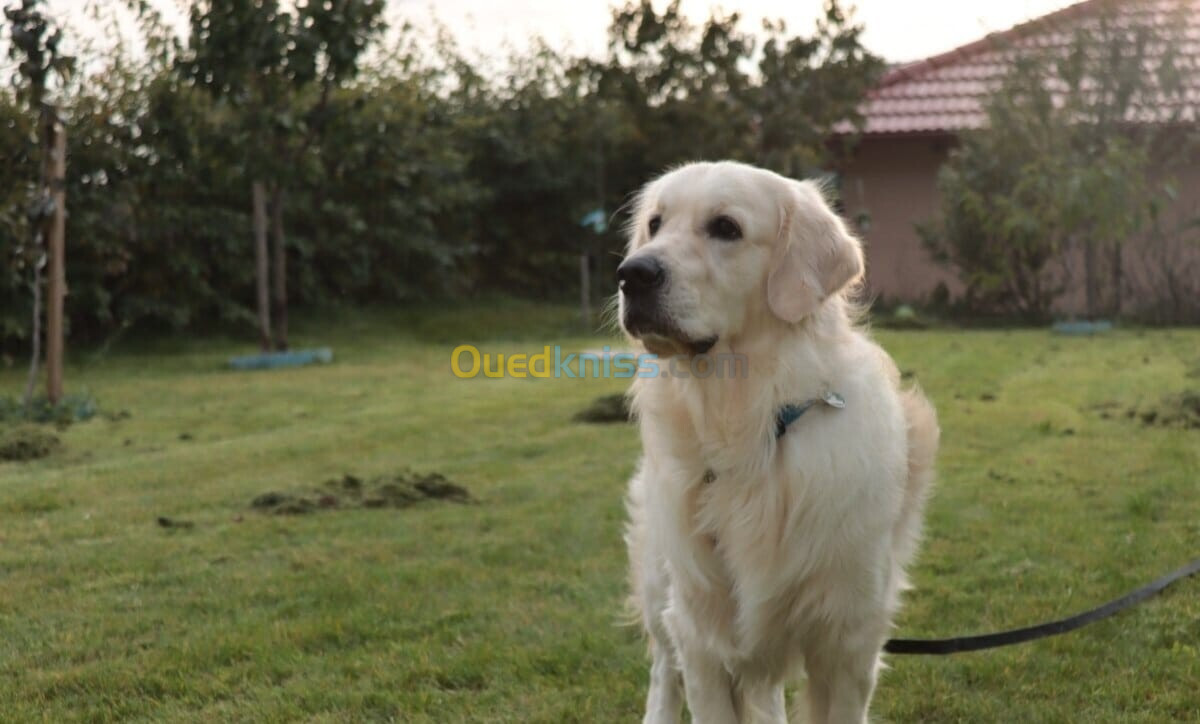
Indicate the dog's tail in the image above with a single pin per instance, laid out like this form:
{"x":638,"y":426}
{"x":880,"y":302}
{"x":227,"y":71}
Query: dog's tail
{"x":923,"y":436}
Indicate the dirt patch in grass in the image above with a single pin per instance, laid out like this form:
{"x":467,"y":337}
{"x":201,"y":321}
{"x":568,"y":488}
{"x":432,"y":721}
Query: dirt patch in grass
{"x":1180,"y":410}
{"x":26,"y":442}
{"x":349,"y":492}
{"x":174,"y":523}
{"x":609,"y":408}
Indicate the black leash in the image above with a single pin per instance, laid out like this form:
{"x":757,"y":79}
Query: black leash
{"x":1041,"y":631}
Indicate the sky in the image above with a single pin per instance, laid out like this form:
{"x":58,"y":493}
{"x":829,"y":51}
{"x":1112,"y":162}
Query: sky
{"x":898,"y":30}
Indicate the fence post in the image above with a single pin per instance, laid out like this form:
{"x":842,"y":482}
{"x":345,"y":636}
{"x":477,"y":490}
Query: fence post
{"x":262,"y":281}
{"x":56,"y":248}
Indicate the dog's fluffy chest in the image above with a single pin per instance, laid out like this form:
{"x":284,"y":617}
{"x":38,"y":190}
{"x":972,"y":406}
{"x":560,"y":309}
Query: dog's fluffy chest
{"x":755,"y":537}
{"x":751,"y":552}
{"x":769,"y":520}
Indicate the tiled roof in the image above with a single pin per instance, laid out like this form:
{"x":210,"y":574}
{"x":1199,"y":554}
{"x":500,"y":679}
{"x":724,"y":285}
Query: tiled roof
{"x":945,"y":93}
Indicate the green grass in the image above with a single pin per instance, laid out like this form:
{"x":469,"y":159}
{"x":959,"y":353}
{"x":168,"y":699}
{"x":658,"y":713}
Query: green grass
{"x":509,"y":610}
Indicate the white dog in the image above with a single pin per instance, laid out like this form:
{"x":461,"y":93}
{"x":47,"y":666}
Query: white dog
{"x":774,"y":510}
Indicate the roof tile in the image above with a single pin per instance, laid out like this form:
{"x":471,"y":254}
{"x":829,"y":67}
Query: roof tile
{"x":945,"y":93}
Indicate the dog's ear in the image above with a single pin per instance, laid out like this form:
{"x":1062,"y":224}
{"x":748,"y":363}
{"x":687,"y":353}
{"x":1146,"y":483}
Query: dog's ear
{"x":815,"y":256}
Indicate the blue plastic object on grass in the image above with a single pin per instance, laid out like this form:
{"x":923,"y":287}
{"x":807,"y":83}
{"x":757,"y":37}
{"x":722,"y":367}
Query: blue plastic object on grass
{"x":273,"y":360}
{"x":1101,"y":325}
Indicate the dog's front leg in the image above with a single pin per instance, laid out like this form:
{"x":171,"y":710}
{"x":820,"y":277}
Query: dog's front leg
{"x":709,"y":687}
{"x":664,"y":702}
{"x":760,"y":703}
{"x":841,"y":679}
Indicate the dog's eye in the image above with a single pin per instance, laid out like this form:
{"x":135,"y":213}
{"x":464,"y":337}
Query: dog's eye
{"x":724,"y":228}
{"x":655,"y":222}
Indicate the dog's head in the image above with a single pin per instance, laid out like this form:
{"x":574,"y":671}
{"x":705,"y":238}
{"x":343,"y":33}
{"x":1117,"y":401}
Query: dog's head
{"x":714,"y":247}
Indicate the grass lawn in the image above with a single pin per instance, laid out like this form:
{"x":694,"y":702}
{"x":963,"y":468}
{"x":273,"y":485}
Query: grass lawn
{"x":1049,"y":501}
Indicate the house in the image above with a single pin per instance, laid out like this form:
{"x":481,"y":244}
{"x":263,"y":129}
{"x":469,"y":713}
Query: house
{"x":915,"y":114}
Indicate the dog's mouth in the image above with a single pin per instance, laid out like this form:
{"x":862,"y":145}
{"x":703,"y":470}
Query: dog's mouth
{"x":675,"y":345}
{"x":661,"y":335}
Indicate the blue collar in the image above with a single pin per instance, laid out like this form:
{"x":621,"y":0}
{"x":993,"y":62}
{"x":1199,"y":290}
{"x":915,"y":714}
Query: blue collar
{"x":791,"y":412}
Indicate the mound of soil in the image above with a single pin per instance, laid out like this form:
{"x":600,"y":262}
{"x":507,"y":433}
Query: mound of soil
{"x":174,"y":523}
{"x":26,"y":442}
{"x":609,"y":408}
{"x":1181,"y":410}
{"x":402,"y":490}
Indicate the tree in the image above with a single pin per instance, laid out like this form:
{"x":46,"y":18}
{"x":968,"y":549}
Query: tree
{"x":809,"y":84}
{"x":1062,"y":166}
{"x":410,"y":172}
{"x":35,"y":44}
{"x":670,"y":91}
{"x":275,"y":69}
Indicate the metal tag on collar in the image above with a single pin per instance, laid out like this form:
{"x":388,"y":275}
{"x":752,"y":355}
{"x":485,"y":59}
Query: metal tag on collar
{"x":833,"y":399}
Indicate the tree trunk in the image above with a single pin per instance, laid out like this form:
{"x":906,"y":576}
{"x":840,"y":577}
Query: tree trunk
{"x":1089,"y":274}
{"x":1117,"y":278}
{"x":56,"y":249}
{"x":35,"y":335}
{"x":262,"y":282}
{"x":279,"y":271}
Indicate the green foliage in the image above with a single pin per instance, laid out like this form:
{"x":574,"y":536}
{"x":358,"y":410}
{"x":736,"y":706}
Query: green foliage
{"x":1059,"y":170}
{"x":71,"y":408}
{"x":808,"y":85}
{"x":412,"y":173}
{"x":18,"y":174}
{"x":559,"y":136}
{"x":259,"y":57}
{"x":1003,"y":195}
{"x":33,"y":42}
{"x":392,"y":217}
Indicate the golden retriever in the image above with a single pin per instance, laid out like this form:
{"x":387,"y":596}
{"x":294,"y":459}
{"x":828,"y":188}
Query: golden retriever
{"x":773,"y":512}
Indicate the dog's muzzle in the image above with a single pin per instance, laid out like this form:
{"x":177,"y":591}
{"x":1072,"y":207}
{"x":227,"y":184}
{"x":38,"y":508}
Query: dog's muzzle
{"x":642,"y":280}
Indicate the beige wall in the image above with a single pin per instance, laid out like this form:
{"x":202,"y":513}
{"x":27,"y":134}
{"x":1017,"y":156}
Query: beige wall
{"x":891,"y":181}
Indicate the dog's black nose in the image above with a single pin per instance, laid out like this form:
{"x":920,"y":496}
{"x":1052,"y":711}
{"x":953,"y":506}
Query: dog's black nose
{"x":640,"y":274}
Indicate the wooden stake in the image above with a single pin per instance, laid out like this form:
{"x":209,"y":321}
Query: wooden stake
{"x":261,"y":278}
{"x":279,"y":271}
{"x":56,"y":251}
